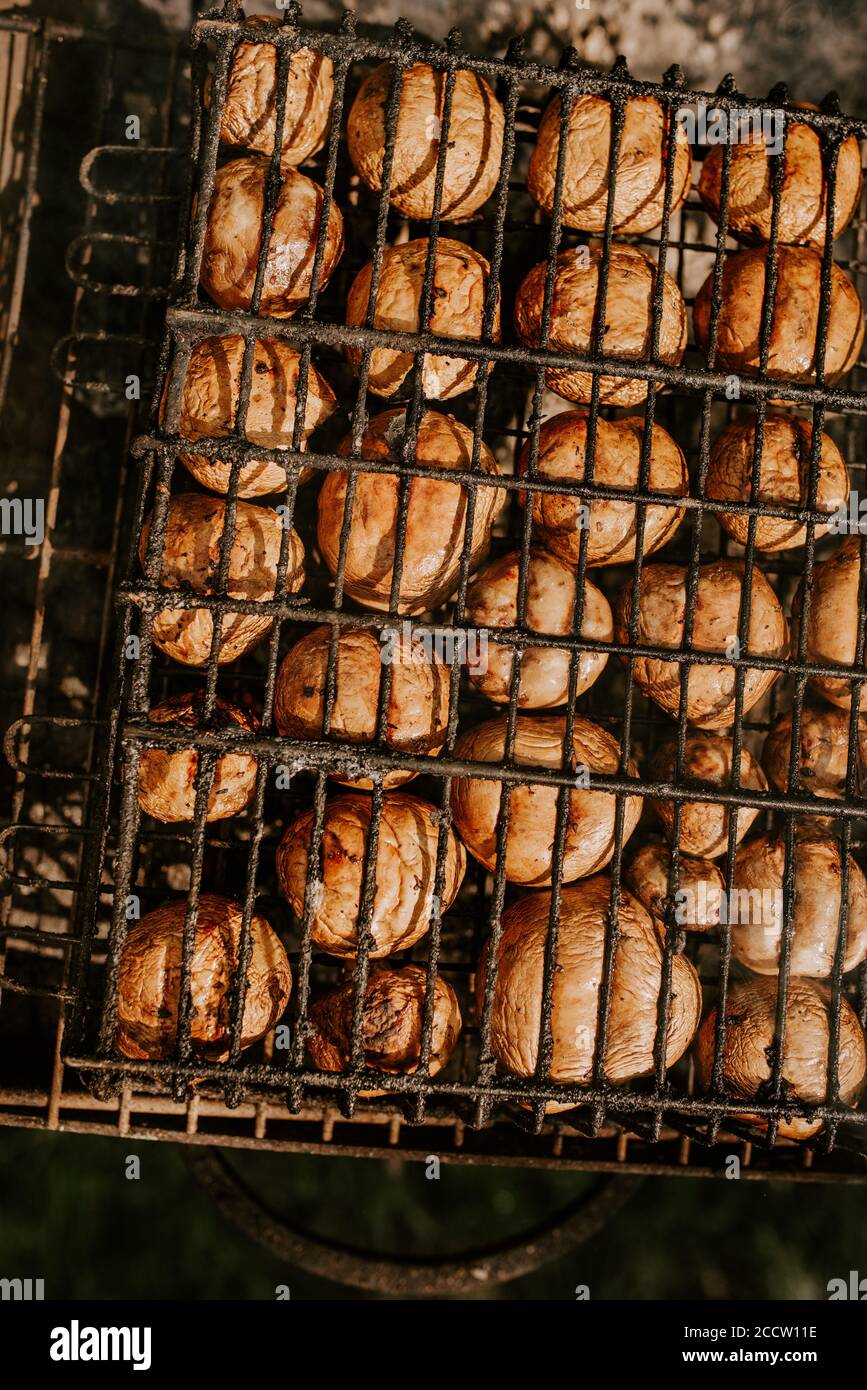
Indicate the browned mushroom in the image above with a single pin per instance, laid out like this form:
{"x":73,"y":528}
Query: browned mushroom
{"x":589,"y":838}
{"x":832,"y":619}
{"x":435,"y":518}
{"x":704,"y":825}
{"x":150,"y":980}
{"x":492,"y":601}
{"x":418,"y":702}
{"x":475,"y":139}
{"x":699,"y":897}
{"x":234,"y":235}
{"x":750,"y":1027}
{"x":628,"y":315}
{"x":640,"y":173}
{"x":823,"y":749}
{"x":460,"y":285}
{"x":209,"y":405}
{"x":250,"y":112}
{"x":559,"y":519}
{"x":405,"y":872}
{"x":166,"y":786}
{"x":710,"y":686}
{"x":191,"y":551}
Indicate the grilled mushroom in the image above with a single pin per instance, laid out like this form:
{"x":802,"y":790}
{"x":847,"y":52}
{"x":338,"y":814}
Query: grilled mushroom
{"x":418,"y":702}
{"x":209,"y":406}
{"x":698,"y":900}
{"x":190,"y":555}
{"x":405,"y":872}
{"x":234,"y":235}
{"x":435,"y":519}
{"x":750,"y":1026}
{"x":589,"y":838}
{"x":832,"y":619}
{"x":823,"y":749}
{"x":150,"y":980}
{"x":640,"y":173}
{"x":560,"y":519}
{"x":635,"y":987}
{"x":166,"y":786}
{"x":710,"y":687}
{"x":460,"y":286}
{"x":794,"y":323}
{"x":704,"y":825}
{"x":250,"y":112}
{"x":628,"y":314}
{"x":475,"y":139}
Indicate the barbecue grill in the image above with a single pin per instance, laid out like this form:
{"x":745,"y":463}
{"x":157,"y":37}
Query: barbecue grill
{"x":78,"y":850}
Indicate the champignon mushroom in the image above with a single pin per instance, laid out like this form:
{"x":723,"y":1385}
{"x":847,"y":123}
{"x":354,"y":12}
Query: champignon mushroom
{"x":628,"y":314}
{"x":190,"y":558}
{"x":560,"y":518}
{"x":166,"y":786}
{"x":234,"y":235}
{"x":794,"y":323}
{"x":699,"y":896}
{"x":406,"y":853}
{"x":757,"y":913}
{"x":710,"y":687}
{"x":249,"y":116}
{"x":803,"y":207}
{"x":391,"y":1023}
{"x":436,"y":514}
{"x":750,"y":1028}
{"x":784,"y":479}
{"x":150,"y":980}
{"x":209,"y":405}
{"x":580,"y":951}
{"x":475,"y":139}
{"x":704,"y":825}
{"x":832,"y":619}
{"x":460,"y":285}
{"x":823,"y":749}
{"x":418,"y":702}
{"x":590,"y":827}
{"x":640,"y":173}
{"x":492,"y":601}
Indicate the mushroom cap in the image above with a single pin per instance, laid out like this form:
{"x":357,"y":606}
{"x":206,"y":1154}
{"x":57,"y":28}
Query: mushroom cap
{"x":209,"y":405}
{"x":758,"y":880}
{"x":234,"y":233}
{"x":640,"y":175}
{"x":191,"y":558}
{"x":589,"y":841}
{"x":823,"y":749}
{"x":661,"y":622}
{"x":784,"y":479}
{"x":559,"y":519}
{"x":418,"y":702}
{"x":580,"y":951}
{"x":792,"y":348}
{"x":628,"y":313}
{"x":751,"y":1008}
{"x":166,"y":780}
{"x":704,"y":825}
{"x":492,"y":601}
{"x":832,"y":621}
{"x":700,"y":888}
{"x":436,"y":514}
{"x":460,"y":285}
{"x":803,"y":207}
{"x":250,"y":111}
{"x":405,"y":872}
{"x":391,"y":1024}
{"x":150,"y":980}
{"x":475,"y":139}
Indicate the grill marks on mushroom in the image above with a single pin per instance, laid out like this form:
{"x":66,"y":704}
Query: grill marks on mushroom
{"x":418,"y":702}
{"x":589,"y":842}
{"x":166,"y":785}
{"x":475,"y":139}
{"x":708,"y":759}
{"x":191,"y":553}
{"x":150,"y":980}
{"x":628,"y":310}
{"x":250,"y":111}
{"x":405,"y":872}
